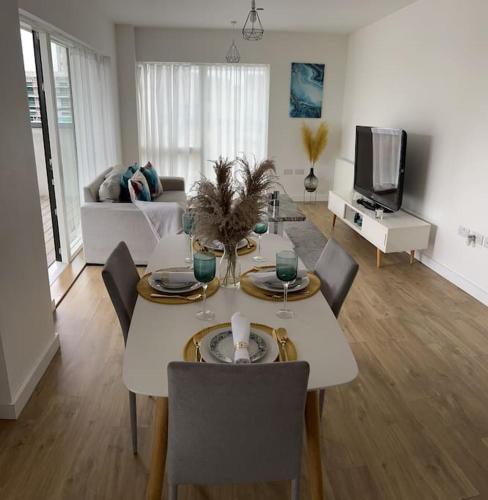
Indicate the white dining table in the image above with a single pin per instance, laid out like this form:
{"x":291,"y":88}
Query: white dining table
{"x":158,"y":333}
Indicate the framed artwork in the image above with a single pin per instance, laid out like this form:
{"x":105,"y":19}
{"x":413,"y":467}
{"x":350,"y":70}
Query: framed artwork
{"x":306,"y":90}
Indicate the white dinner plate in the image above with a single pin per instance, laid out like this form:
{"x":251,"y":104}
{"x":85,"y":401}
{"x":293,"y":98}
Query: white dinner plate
{"x":226,"y":346}
{"x":300,"y":284}
{"x":175,"y":288}
{"x":216,"y":245}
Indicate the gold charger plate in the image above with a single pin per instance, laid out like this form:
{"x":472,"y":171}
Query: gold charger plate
{"x":249,"y":248}
{"x":145,"y":290}
{"x":190,"y":349}
{"x":250,"y":288}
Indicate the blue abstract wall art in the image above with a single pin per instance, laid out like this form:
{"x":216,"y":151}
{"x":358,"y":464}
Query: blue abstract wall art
{"x":307,"y":90}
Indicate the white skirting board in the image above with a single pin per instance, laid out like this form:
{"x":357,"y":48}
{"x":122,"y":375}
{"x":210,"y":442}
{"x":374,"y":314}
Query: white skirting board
{"x":12,"y":410}
{"x":460,"y":281}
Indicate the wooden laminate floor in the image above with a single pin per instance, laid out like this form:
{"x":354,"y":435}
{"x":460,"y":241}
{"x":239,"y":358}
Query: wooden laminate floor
{"x":413,"y":426}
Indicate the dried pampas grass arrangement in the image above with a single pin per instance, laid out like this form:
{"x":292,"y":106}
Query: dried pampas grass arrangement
{"x":315,"y":144}
{"x":228,"y":209}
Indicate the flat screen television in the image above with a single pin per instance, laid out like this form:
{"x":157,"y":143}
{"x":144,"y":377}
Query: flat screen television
{"x":379,"y":166}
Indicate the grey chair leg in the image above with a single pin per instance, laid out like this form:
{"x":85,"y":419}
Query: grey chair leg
{"x":172,"y":492}
{"x":295,"y":489}
{"x":321,"y":401}
{"x":133,"y":420}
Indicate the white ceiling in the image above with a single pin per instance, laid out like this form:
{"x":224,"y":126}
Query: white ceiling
{"x":337,"y":16}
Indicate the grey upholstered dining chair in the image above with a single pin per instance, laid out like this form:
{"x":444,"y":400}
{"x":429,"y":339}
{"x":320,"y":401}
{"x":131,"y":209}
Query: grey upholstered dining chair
{"x":120,"y":277}
{"x":336,"y":270}
{"x":235,"y":423}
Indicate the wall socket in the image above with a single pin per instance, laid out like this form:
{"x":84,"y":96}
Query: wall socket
{"x":473,"y":238}
{"x":288,"y":171}
{"x":299,"y":171}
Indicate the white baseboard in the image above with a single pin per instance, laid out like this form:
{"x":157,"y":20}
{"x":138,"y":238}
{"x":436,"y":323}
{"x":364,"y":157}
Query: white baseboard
{"x":13,"y":410}
{"x":299,"y":197}
{"x":460,"y":281}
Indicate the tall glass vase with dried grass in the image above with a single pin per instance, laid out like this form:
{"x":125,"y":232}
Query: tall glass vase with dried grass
{"x":314,"y":145}
{"x":227,"y":209}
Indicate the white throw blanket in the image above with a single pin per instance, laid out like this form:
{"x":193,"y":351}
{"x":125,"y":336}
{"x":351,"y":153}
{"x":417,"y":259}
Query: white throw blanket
{"x":163,"y":217}
{"x":241,"y":330}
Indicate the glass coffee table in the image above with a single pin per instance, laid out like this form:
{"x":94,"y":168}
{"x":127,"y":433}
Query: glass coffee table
{"x":287,"y":211}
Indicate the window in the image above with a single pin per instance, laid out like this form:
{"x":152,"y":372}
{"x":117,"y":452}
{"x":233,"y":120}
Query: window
{"x":190,"y":114}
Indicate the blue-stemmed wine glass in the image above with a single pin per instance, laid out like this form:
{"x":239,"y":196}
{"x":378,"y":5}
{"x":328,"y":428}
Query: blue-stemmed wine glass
{"x":261,"y":228}
{"x":204,"y":265}
{"x":286,"y":271}
{"x":187,"y":221}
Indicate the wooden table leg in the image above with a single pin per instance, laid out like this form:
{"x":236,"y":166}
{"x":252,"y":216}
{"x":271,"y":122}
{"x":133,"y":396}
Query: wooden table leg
{"x":334,"y":217}
{"x":412,"y":256}
{"x":160,"y":445}
{"x":312,"y":423}
{"x":378,"y":258}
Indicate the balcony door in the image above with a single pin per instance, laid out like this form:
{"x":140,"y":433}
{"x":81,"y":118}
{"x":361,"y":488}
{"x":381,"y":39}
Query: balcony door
{"x":42,"y":146}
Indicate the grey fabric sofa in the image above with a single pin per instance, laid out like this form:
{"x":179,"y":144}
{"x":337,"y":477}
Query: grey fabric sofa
{"x":104,"y":225}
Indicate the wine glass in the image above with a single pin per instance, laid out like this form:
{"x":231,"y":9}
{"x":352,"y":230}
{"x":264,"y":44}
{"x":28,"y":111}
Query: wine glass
{"x":261,"y":228}
{"x":187,"y":220}
{"x":204,"y":265}
{"x":286,"y":271}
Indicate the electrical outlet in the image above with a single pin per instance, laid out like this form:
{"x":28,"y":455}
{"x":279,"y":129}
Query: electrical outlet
{"x":485,"y":242}
{"x":478,"y":239}
{"x":463,"y":231}
{"x":299,"y":171}
{"x":288,"y":171}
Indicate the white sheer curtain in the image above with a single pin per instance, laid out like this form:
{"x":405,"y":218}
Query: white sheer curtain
{"x":190,"y":114}
{"x":93,"y":110}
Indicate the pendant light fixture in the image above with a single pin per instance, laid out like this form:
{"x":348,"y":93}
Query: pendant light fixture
{"x":253,"y":29}
{"x":233,"y":55}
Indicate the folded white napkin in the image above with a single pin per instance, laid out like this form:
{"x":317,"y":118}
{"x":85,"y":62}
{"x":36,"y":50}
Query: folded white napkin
{"x":271,"y":278}
{"x":174,"y":276}
{"x":241,"y":330}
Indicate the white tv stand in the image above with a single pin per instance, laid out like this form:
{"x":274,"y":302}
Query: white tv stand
{"x":396,"y":232}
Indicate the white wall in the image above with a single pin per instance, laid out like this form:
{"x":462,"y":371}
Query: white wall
{"x":26,"y":326}
{"x":425,"y":69}
{"x":278,"y":50}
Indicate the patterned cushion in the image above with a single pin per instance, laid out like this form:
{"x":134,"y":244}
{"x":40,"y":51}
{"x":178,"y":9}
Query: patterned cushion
{"x":110,"y":188}
{"x":138,"y":188}
{"x":152,"y":178}
{"x":124,"y":182}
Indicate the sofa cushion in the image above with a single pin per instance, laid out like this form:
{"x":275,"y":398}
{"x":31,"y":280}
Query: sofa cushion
{"x":124,"y":182}
{"x":138,"y":187}
{"x":110,"y":188}
{"x":173,"y":196}
{"x":152,"y":178}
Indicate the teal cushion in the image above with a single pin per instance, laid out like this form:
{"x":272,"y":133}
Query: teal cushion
{"x":153,"y":181}
{"x":124,"y":182}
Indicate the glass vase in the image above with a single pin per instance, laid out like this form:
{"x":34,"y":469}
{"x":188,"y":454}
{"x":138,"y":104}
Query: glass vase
{"x":311,"y":182}
{"x":230,"y":267}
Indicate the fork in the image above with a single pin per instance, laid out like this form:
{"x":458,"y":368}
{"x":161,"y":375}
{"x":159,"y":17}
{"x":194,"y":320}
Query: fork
{"x":196,"y":343}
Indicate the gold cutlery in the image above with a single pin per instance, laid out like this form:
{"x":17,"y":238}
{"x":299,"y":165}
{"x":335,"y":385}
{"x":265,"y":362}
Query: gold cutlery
{"x":195,"y":296}
{"x":280,"y":296}
{"x":282,"y":337}
{"x":275,"y":337}
{"x":198,"y":354}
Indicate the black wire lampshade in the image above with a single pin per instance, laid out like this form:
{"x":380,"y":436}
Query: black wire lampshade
{"x":233,"y":55}
{"x":253,"y":29}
